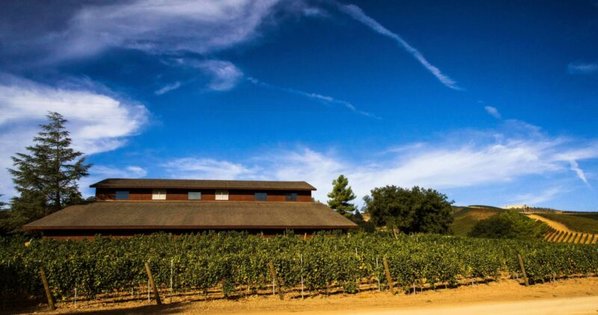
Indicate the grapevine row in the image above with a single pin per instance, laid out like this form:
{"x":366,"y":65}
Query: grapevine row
{"x":232,"y":261}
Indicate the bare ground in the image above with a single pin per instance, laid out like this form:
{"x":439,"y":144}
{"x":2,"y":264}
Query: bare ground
{"x":553,"y":224}
{"x":570,"y":296}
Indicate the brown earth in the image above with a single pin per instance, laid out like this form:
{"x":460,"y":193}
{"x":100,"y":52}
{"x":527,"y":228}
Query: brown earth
{"x":553,"y":224}
{"x":570,"y":296}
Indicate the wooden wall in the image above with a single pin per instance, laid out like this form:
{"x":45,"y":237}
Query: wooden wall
{"x":206,"y":195}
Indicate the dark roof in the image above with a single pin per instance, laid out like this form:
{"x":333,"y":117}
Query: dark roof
{"x":136,"y":215}
{"x":201,"y":184}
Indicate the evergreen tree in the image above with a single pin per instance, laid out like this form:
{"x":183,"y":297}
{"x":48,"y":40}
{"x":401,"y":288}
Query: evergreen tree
{"x":340,"y":197}
{"x":2,"y":204}
{"x":46,"y":178}
{"x":4,"y":218}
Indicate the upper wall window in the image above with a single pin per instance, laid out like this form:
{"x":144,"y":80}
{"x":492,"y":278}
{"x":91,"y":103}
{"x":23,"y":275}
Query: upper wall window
{"x":121,"y":195}
{"x":194,"y":195}
{"x":159,"y":194}
{"x":221,"y":194}
{"x":261,"y":196}
{"x":292,"y":196}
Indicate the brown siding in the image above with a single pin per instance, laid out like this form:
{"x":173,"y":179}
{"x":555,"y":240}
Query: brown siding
{"x":234,"y":195}
{"x":140,"y":194}
{"x":183,"y":194}
{"x":206,"y":195}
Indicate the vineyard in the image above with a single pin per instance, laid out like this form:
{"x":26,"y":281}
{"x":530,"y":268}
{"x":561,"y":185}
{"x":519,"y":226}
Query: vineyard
{"x":571,"y":237}
{"x":237,"y":264}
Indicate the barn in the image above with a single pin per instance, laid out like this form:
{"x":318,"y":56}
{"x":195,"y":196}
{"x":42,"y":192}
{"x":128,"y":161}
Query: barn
{"x":126,"y":207}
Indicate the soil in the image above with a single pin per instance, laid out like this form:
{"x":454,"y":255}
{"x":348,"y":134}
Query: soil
{"x":553,"y":224}
{"x":569,"y":296}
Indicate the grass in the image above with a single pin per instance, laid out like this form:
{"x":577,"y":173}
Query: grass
{"x":576,"y":221}
{"x":464,"y":218}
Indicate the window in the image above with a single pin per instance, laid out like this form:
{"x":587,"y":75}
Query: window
{"x":261,"y":196}
{"x":159,"y":194}
{"x":194,"y":195}
{"x":221,"y":194}
{"x":292,"y":196}
{"x":121,"y":195}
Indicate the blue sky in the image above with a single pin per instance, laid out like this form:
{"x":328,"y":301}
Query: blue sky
{"x":489,"y":102}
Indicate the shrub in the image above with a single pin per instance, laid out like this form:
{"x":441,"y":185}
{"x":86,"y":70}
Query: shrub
{"x":509,"y":224}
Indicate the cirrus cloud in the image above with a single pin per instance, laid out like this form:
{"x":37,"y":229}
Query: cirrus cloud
{"x":157,"y":26}
{"x":485,"y":161}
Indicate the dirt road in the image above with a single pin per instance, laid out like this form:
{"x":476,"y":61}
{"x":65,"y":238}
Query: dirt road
{"x":575,"y":305}
{"x":571,"y":296}
{"x":553,"y":224}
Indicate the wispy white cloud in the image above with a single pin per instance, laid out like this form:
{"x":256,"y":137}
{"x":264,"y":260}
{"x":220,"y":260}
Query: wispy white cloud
{"x":131,"y":171}
{"x":98,"y":122}
{"x":314,"y":12}
{"x":157,"y":26}
{"x":492,"y":111}
{"x":224,"y":75}
{"x":532,"y":199}
{"x":580,"y":173}
{"x":582,"y":68}
{"x":167,"y":88}
{"x":314,"y":96}
{"x":440,"y":165}
{"x":190,"y":167}
{"x":356,"y":13}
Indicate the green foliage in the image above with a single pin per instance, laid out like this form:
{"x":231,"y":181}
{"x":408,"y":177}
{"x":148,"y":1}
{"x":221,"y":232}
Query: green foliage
{"x":465,"y":218}
{"x":578,"y":221}
{"x":46,"y":177}
{"x":4,"y":217}
{"x":509,"y":224}
{"x":415,"y":210}
{"x":231,"y":261}
{"x":341,"y":196}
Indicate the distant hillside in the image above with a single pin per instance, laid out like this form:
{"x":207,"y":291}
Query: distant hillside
{"x":464,"y":218}
{"x":586,"y":222}
{"x":580,"y":223}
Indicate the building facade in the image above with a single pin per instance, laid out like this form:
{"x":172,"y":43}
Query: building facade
{"x":125,"y":207}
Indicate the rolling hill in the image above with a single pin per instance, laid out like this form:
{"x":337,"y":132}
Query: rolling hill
{"x":464,"y":218}
{"x":566,"y":226}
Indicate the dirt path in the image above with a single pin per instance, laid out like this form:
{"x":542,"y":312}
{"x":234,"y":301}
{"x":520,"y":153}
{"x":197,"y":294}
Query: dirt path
{"x":553,"y":224}
{"x":572,"y":296}
{"x":576,"y":305}
{"x":506,"y":297}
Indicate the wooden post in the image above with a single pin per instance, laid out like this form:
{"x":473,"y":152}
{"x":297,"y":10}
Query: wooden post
{"x":42,"y":274}
{"x":301,"y":258}
{"x":171,"y":279}
{"x":526,"y":281}
{"x":153,"y":284}
{"x":388,"y":277}
{"x":275,"y":283}
{"x":273,"y":276}
{"x":377,"y":278}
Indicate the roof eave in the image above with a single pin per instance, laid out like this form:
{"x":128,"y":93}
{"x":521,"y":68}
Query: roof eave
{"x":188,"y":227}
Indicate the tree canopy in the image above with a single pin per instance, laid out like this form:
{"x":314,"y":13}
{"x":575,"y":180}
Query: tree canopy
{"x":415,"y":210}
{"x":341,"y":196}
{"x":46,"y":176}
{"x":509,"y":224}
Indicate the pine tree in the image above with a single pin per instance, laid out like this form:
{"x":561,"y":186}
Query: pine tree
{"x":340,"y":197}
{"x":46,"y":178}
